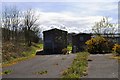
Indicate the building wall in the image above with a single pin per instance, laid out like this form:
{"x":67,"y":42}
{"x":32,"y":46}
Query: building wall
{"x":48,"y":42}
{"x":119,"y":40}
{"x":69,"y":38}
{"x":78,"y":42}
{"x":54,"y":41}
{"x":60,"y":41}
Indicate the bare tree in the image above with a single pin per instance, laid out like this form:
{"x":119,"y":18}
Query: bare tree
{"x":5,"y":24}
{"x":17,"y":27}
{"x":15,"y":20}
{"x":10,"y":20}
{"x":30,"y":23}
{"x":104,"y":27}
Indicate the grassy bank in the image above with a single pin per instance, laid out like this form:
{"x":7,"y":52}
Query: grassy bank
{"x":13,"y":56}
{"x":78,"y":67}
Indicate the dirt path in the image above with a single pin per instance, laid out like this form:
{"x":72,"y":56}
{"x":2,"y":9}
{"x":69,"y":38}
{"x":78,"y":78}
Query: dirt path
{"x":102,"y":66}
{"x":53,"y":64}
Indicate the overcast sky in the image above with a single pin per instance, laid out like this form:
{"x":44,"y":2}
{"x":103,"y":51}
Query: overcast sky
{"x":77,"y":16}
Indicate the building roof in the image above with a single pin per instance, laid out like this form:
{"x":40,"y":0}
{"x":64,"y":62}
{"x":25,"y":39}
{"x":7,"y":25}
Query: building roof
{"x":82,"y":34}
{"x":55,"y":29}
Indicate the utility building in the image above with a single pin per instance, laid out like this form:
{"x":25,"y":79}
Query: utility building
{"x":78,"y":42}
{"x":54,"y":41}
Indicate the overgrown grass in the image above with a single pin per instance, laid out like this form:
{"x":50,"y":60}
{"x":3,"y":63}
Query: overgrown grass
{"x":78,"y":67}
{"x":29,"y":52}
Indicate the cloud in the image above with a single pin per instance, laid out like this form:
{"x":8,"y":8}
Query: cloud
{"x":72,"y":16}
{"x":67,"y":21}
{"x":94,"y":8}
{"x":60,"y":0}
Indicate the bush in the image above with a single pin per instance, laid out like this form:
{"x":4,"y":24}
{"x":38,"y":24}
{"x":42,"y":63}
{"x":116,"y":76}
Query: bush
{"x":116,"y":49}
{"x":97,"y":45}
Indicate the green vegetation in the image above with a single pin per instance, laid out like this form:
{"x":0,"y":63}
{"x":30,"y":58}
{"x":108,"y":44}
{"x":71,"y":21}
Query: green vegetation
{"x":19,"y":37}
{"x":116,"y":52}
{"x":116,"y":49}
{"x":78,"y":67}
{"x":13,"y":56}
{"x":67,"y":50}
{"x":98,"y":45}
{"x":40,"y":45}
{"x":7,"y":72}
{"x":63,"y":58}
{"x":69,"y":47}
{"x":42,"y":72}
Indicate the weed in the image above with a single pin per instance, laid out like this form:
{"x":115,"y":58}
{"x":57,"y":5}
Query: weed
{"x":63,"y":58}
{"x":42,"y":72}
{"x":7,"y":72}
{"x":78,"y":67}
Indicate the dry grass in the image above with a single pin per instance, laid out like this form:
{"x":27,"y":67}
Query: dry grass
{"x":13,"y":53}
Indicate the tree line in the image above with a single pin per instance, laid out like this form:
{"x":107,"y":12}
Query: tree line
{"x":20,"y":26}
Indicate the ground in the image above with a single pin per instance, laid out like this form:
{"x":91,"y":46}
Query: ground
{"x":102,"y":66}
{"x":41,"y":66}
{"x":52,"y":66}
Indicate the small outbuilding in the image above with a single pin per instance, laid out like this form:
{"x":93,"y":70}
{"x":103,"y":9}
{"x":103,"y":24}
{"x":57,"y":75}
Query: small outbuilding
{"x":78,"y":42}
{"x":54,"y":41}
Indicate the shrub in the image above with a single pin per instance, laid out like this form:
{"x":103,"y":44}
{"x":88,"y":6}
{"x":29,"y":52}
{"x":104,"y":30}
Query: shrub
{"x":97,"y":45}
{"x":116,"y":49}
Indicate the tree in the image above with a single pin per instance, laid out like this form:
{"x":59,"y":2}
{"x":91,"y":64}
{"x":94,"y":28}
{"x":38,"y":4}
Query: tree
{"x":15,"y":20}
{"x":104,"y":27}
{"x":5,"y":24}
{"x":30,"y":23}
{"x":10,"y":20}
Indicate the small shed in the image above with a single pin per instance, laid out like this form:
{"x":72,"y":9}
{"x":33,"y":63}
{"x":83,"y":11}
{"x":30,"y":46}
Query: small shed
{"x":78,"y":42}
{"x":54,"y":41}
